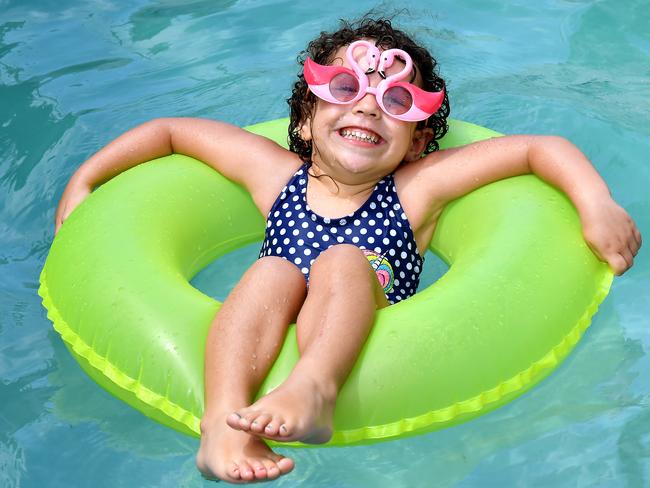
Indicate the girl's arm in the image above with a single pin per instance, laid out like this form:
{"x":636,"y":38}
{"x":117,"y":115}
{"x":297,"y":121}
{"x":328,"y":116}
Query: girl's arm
{"x":607,"y":228}
{"x":248,"y":159}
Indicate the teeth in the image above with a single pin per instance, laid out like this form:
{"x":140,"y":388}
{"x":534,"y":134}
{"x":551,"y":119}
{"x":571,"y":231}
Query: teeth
{"x":355,"y":134}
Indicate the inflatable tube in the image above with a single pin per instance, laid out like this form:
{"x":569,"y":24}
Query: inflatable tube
{"x":521,"y":289}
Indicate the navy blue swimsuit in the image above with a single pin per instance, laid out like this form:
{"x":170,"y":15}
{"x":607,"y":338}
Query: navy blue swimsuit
{"x":379,"y":228}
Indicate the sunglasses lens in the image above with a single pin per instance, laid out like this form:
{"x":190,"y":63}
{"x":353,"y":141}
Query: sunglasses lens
{"x":344,"y":87}
{"x":397,"y":100}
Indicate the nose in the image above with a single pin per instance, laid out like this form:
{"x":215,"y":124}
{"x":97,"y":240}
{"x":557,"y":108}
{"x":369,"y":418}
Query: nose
{"x":367,"y":105}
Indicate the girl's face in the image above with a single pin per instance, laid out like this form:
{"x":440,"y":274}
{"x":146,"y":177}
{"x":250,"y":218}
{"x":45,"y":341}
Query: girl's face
{"x":358,"y":142}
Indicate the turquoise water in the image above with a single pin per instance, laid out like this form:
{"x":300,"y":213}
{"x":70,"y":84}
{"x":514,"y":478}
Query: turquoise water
{"x":73,"y":75}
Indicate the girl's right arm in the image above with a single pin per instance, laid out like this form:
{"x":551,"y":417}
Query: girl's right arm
{"x":255,"y":162}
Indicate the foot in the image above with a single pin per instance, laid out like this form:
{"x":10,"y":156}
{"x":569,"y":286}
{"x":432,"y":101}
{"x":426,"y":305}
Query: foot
{"x":298,"y":410}
{"x":237,"y":457}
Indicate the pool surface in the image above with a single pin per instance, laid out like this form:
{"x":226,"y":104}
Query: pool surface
{"x":74,"y":75}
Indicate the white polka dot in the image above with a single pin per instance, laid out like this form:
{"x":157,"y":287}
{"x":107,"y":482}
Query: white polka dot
{"x":268,"y":224}
{"x":288,"y":214}
{"x":389,"y":198}
{"x":292,"y":188}
{"x":292,"y":250}
{"x":305,"y":225}
{"x":276,"y":213}
{"x":278,"y":250}
{"x":373,"y":205}
{"x":283,"y":232}
{"x":304,"y":270}
{"x":313,"y":217}
{"x":364,"y":214}
{"x":379,"y":215}
{"x":301,"y":215}
{"x":416,"y":269}
{"x":290,"y":224}
{"x":310,"y":234}
{"x":409,"y":266}
{"x":340,"y":239}
{"x":348,"y":231}
{"x":316,"y":244}
{"x":386,"y":240}
{"x":403,"y":255}
{"x":327,"y":221}
{"x":378,"y":231}
{"x":307,"y":252}
{"x":298,"y":206}
{"x":343,"y":222}
{"x":363,"y":231}
{"x":355,"y":239}
{"x":297,"y":260}
{"x":278,"y":223}
{"x":399,"y":243}
{"x":371,"y":222}
{"x":378,"y":250}
{"x":273,"y":232}
{"x":408,"y":245}
{"x":296,"y":198}
{"x":285,"y":205}
{"x":396,"y":282}
{"x":357,"y":222}
{"x":275,"y":241}
{"x":380,"y":197}
{"x":311,"y":261}
{"x":402,"y":274}
{"x":300,"y":242}
{"x":333,"y":230}
{"x":397,"y":261}
{"x":326,"y":237}
{"x":392,"y":232}
{"x":391,"y":214}
{"x":319,"y":227}
{"x":386,"y":222}
{"x":295,"y":232}
{"x":301,"y":181}
{"x":286,"y":240}
{"x":371,"y":240}
{"x":391,"y":252}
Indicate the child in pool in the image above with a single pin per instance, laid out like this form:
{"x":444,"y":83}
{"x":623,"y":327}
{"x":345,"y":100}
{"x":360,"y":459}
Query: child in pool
{"x":350,"y":165}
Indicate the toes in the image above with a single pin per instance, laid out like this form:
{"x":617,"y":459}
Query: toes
{"x":272,"y":470}
{"x":273,"y":427}
{"x":285,"y":464}
{"x":233,"y":420}
{"x":259,"y":424}
{"x":246,"y":472}
{"x":259,"y":469}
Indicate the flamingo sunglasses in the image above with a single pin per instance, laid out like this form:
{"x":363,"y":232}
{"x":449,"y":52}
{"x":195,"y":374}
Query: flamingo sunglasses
{"x":398,"y":99}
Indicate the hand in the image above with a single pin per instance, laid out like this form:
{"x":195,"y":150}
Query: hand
{"x":611,"y":234}
{"x":76,"y":191}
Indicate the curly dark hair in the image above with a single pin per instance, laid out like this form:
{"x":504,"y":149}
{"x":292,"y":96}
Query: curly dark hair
{"x":322,"y":49}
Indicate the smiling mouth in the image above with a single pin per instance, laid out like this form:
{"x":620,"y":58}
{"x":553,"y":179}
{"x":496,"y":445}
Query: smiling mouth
{"x":360,"y":135}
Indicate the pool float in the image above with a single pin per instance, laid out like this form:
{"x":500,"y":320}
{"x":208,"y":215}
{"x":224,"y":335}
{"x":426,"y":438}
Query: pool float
{"x":521,"y":289}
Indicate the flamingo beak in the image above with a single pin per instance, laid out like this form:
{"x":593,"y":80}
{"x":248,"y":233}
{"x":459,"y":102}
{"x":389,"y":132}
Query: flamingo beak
{"x":382,"y":74}
{"x":370,"y":70}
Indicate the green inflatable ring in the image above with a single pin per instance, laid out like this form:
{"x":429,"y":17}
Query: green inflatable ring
{"x":521,"y":289}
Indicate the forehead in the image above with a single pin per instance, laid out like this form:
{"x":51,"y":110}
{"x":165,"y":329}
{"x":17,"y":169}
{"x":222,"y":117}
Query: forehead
{"x":340,"y":58}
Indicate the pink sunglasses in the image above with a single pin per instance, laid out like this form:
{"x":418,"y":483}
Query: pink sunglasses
{"x":401,"y":100}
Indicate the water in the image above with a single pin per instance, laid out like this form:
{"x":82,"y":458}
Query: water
{"x":73,"y":75}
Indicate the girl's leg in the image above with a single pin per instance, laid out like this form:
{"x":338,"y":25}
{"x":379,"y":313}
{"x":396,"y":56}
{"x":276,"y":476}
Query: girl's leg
{"x":244,"y":340}
{"x":333,"y":325}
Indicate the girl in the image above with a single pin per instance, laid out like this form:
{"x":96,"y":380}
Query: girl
{"x":354,"y":184}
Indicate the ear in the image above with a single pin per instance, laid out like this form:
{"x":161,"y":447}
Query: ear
{"x":421,"y":138}
{"x":305,"y":130}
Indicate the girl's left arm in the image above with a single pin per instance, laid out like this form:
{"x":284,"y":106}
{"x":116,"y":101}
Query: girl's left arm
{"x":607,"y":228}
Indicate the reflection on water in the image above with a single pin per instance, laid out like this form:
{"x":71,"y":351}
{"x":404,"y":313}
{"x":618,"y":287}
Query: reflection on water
{"x":73,"y":76}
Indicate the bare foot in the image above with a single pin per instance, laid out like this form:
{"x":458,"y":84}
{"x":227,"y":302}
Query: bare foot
{"x":237,"y":457}
{"x":298,"y":410}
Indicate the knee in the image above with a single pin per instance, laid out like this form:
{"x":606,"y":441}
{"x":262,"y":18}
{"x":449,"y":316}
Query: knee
{"x":274,"y":269}
{"x":344,"y":259}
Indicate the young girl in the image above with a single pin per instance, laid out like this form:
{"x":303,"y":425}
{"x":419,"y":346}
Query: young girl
{"x":355,"y":183}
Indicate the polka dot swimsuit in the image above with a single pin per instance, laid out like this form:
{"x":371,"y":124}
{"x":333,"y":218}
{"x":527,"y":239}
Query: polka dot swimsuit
{"x":379,"y":228}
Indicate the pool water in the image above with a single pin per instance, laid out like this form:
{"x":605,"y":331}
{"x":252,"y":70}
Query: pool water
{"x":74,"y":75}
